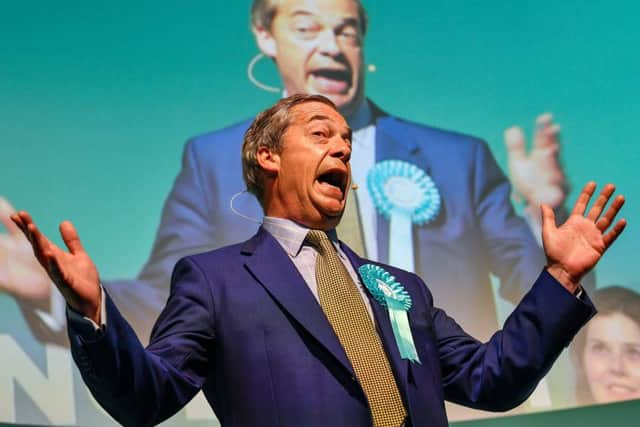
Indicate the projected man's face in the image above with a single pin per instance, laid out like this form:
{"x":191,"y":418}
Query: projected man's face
{"x":611,"y":358}
{"x":317,"y":47}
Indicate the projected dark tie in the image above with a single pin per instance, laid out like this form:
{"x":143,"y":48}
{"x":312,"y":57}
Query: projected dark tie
{"x":347,"y":313}
{"x":350,"y":228}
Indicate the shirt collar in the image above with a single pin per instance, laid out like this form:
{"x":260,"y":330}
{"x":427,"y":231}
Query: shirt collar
{"x":290,"y":234}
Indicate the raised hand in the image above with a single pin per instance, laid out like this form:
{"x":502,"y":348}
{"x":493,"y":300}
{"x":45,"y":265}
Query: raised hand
{"x":73,"y":272}
{"x":537,"y":176}
{"x":20,"y":273}
{"x":575,"y":247}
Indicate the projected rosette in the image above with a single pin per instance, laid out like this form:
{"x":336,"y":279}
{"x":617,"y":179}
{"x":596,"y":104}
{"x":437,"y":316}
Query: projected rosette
{"x":405,"y":195}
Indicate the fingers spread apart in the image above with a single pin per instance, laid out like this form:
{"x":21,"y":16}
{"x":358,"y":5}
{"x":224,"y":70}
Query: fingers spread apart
{"x":70,"y":237}
{"x":583,"y":198}
{"x":595,"y":214}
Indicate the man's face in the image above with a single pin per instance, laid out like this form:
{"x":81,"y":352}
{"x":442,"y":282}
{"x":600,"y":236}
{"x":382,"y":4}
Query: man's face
{"x":611,"y":358}
{"x":317,"y":46}
{"x":312,"y":173}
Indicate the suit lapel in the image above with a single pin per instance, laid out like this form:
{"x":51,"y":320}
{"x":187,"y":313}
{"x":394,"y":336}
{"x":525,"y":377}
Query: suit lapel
{"x":392,"y":143}
{"x":273,"y":269}
{"x":383,"y":325}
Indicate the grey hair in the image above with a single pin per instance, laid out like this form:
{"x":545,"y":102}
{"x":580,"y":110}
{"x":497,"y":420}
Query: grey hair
{"x":264,"y":11}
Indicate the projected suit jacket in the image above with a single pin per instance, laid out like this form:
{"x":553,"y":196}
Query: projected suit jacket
{"x":476,"y":233}
{"x":241,"y":324}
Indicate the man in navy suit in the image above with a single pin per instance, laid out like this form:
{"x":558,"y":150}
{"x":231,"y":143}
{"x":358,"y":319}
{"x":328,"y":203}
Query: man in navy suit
{"x":317,"y":46}
{"x":248,"y":325}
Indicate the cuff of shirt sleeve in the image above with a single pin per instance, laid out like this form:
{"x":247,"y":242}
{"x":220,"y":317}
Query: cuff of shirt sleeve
{"x":85,"y":326}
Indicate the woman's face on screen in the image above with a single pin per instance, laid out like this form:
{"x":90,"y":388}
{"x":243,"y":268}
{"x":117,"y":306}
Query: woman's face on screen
{"x":611,"y":358}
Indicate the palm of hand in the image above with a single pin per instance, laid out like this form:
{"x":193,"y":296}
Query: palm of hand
{"x":73,"y":272}
{"x":77,"y":278}
{"x":538,"y":177}
{"x":577,"y":246}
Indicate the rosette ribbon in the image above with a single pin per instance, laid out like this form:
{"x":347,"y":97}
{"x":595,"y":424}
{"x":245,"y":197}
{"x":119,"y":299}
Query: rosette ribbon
{"x":392,"y":295}
{"x":405,"y":195}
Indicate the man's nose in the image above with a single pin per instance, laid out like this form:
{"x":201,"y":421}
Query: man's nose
{"x":328,"y":43}
{"x":341,"y":149}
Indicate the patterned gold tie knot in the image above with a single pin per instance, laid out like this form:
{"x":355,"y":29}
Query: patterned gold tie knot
{"x":320,"y":241}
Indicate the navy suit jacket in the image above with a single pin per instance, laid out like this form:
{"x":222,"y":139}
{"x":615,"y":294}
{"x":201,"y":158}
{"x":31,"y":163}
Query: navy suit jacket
{"x":241,"y":324}
{"x":476,"y":234}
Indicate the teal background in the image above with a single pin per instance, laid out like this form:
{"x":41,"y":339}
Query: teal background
{"x":97,"y":98}
{"x":93,"y":93}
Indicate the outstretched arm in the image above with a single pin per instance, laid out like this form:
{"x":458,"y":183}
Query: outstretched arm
{"x":135,"y":385}
{"x":190,"y":224}
{"x":501,"y":373}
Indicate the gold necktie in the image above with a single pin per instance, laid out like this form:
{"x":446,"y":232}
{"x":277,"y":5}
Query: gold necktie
{"x":343,"y":305}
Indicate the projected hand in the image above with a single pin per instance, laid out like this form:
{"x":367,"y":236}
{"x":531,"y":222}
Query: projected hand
{"x":20,"y":273}
{"x":538,"y":176}
{"x":575,"y":247}
{"x":73,"y":272}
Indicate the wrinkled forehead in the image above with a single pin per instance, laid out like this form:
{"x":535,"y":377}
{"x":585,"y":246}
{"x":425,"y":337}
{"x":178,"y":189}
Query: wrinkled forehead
{"x":330,"y":11}
{"x":314,"y":111}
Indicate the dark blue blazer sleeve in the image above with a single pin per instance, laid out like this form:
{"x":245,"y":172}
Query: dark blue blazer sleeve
{"x":500,"y":374}
{"x":139,"y":386}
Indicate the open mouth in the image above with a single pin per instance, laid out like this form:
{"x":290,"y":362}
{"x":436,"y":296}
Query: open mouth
{"x":334,"y":180}
{"x":331,"y":80}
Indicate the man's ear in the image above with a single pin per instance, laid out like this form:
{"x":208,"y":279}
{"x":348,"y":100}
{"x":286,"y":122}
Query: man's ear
{"x":266,"y":42}
{"x":268,"y":160}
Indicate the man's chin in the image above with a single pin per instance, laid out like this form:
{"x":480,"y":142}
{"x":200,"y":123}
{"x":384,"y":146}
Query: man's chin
{"x":334,"y":217}
{"x":329,"y":218}
{"x":347,"y":105}
{"x":342,"y":100}
{"x":345,"y":101}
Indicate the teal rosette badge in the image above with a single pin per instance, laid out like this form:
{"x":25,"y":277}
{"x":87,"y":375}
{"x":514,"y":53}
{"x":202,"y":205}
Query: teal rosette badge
{"x":392,"y":295}
{"x":405,"y":195}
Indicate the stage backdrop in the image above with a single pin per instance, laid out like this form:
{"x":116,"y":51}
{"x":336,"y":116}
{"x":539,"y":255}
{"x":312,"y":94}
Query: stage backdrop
{"x":97,"y":100}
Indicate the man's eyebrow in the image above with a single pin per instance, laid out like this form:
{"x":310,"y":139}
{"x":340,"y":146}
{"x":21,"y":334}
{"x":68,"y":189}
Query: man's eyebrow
{"x":301,"y":12}
{"x":322,"y":117}
{"x":346,"y":21}
{"x":317,"y":117}
{"x":350,"y":21}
